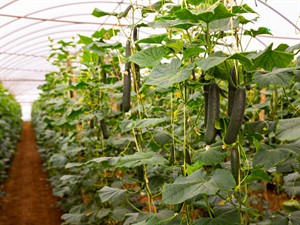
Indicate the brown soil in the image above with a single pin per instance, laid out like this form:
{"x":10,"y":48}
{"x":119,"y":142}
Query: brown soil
{"x":28,"y":199}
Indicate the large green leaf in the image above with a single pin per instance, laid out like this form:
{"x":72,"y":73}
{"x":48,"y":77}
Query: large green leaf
{"x":223,"y":215}
{"x":272,"y":155}
{"x":197,"y":183}
{"x":218,"y":58}
{"x":165,"y":75}
{"x":282,"y":77}
{"x":211,"y":156}
{"x":211,"y":61}
{"x":215,"y":13}
{"x":239,"y":9}
{"x":270,"y":59}
{"x":141,"y":158}
{"x":148,"y":57}
{"x":127,"y":125}
{"x":288,"y":129}
{"x":110,"y":194}
{"x":154,"y":39}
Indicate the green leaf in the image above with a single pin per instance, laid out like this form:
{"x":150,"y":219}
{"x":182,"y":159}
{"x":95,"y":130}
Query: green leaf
{"x":216,"y":13}
{"x":153,"y":39}
{"x":127,"y":125}
{"x":110,"y":194}
{"x":192,"y":51}
{"x":288,"y":129}
{"x":99,"y":47}
{"x":195,"y":2}
{"x":106,"y":34}
{"x":141,"y":158}
{"x":243,"y":59}
{"x":103,"y":212}
{"x":258,"y":174}
{"x":162,"y":138}
{"x":261,"y":127}
{"x":197,"y":183}
{"x":280,"y":219}
{"x":269,"y":59}
{"x":272,"y":155}
{"x":165,"y":75}
{"x":211,"y":61}
{"x":72,"y":218}
{"x":84,"y":39}
{"x":281,"y":77}
{"x":99,"y":13}
{"x":239,"y":9}
{"x":260,"y":30}
{"x":175,"y":45}
{"x":223,"y":215}
{"x":181,"y":24}
{"x":211,"y":156}
{"x":149,"y":57}
{"x":294,"y":218}
{"x":153,"y":220}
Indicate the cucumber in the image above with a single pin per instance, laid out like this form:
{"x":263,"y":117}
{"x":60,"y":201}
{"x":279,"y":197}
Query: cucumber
{"x":137,"y":77}
{"x":126,"y":82}
{"x":104,"y":129}
{"x":232,"y":86}
{"x":237,"y":115}
{"x":213,"y":113}
{"x":235,"y":164}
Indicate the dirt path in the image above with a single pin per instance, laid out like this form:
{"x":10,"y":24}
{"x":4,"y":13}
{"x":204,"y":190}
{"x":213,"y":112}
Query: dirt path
{"x":29,"y":199}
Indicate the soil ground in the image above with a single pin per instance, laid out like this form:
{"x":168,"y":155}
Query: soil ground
{"x":28,"y":196}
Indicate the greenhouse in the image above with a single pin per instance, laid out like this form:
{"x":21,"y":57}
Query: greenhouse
{"x":150,"y":112}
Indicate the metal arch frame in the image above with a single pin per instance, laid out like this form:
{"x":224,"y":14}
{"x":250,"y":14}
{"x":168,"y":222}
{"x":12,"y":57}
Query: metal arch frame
{"x":18,"y":39}
{"x":62,"y":5}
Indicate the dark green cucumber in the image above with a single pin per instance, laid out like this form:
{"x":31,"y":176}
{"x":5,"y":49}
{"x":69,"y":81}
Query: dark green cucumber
{"x":126,"y":82}
{"x":237,"y":115}
{"x":137,"y":75}
{"x":235,"y":164}
{"x":213,"y":113}
{"x":104,"y":129}
{"x":232,"y":86}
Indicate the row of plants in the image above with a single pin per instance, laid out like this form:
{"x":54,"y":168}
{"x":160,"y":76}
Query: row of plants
{"x":10,"y":129}
{"x":184,"y":126}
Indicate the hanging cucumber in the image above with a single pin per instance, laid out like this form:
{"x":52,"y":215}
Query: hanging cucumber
{"x":137,"y":77}
{"x":237,"y":115}
{"x":126,"y":81}
{"x":213,"y":113}
{"x":235,"y":164}
{"x":232,"y":86}
{"x":104,"y":129}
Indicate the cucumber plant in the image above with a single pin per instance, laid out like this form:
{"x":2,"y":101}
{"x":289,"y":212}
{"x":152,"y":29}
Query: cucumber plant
{"x":10,"y":129}
{"x":161,"y":162}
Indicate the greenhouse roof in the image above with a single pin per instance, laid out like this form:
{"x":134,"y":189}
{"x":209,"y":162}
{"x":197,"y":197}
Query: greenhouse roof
{"x":27,"y":25}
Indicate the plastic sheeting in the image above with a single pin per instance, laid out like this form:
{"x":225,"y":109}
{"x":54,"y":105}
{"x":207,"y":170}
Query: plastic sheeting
{"x":26,"y":26}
